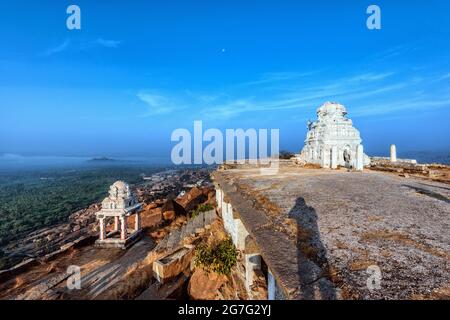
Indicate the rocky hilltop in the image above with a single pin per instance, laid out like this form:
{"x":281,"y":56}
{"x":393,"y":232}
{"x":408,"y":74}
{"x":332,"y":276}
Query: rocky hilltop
{"x":169,"y":200}
{"x":302,"y":233}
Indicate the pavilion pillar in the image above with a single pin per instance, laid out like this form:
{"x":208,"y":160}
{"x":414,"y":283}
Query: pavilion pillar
{"x":252,"y":263}
{"x":116,"y":223}
{"x":123,"y":228}
{"x":137,"y":221}
{"x":102,"y":229}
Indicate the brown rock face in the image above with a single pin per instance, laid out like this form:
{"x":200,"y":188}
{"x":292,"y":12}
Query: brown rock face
{"x":169,"y":215}
{"x":152,"y":217}
{"x":194,"y":197}
{"x":172,"y":209}
{"x":205,"y":286}
{"x":151,"y":206}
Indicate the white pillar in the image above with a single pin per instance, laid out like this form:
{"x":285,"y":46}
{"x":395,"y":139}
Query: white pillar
{"x":334,"y":157}
{"x":360,"y":157}
{"x":102,"y":229}
{"x":137,"y":221}
{"x":241,"y":234}
{"x":252,"y":263}
{"x":323,"y":159}
{"x":116,"y":223}
{"x":219,"y":198}
{"x":123,"y":228}
{"x":393,"y":153}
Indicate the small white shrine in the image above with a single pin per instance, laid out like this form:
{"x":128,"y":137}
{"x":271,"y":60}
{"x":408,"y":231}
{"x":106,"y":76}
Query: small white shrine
{"x":119,"y":205}
{"x":332,"y":140}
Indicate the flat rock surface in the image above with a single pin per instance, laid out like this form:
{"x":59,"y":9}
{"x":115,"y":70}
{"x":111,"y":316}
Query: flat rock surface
{"x":101,"y":269}
{"x":314,"y":225}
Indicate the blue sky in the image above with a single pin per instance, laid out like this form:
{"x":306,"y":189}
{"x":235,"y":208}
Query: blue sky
{"x":140,"y":69}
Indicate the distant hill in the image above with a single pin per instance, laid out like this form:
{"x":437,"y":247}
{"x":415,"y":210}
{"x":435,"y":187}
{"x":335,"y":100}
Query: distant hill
{"x":102,"y":159}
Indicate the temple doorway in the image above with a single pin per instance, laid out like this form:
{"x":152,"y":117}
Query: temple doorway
{"x":347,"y":158}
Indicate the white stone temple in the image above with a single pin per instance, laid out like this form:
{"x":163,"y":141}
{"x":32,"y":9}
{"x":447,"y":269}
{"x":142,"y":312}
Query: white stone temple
{"x":119,"y":205}
{"x":332,"y":140}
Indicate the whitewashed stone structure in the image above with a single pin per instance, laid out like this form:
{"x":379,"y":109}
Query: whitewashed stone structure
{"x":393,"y":153}
{"x":119,"y":205}
{"x":332,"y":140}
{"x":242,"y":241}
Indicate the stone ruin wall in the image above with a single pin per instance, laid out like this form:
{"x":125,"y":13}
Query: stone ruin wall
{"x":243,"y":242}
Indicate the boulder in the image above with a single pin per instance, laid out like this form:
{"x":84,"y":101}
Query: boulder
{"x":169,"y":267}
{"x":205,"y":285}
{"x":172,"y":209}
{"x":193,"y":198}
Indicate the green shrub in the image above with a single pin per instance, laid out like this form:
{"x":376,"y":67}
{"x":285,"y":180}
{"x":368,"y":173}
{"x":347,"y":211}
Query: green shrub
{"x":201,"y":208}
{"x":219,"y":258}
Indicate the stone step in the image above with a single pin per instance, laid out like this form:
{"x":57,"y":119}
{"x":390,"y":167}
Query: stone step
{"x":199,"y":223}
{"x":162,"y":244}
{"x":183,"y":233}
{"x":210,"y":217}
{"x":174,"y":239}
{"x":190,"y":228}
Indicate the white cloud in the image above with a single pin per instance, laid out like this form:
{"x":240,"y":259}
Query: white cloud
{"x":108,"y":43}
{"x":59,"y":48}
{"x":157,"y":103}
{"x":372,"y":76}
{"x":81,"y":45}
{"x":11,"y":156}
{"x":444,"y":77}
{"x":413,"y":105}
{"x":271,"y":77}
{"x":304,"y":95}
{"x":365,"y":94}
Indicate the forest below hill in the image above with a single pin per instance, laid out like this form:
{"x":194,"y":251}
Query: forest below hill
{"x":35,"y":199}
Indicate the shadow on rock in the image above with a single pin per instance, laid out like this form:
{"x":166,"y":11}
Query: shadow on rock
{"x":313,"y":267}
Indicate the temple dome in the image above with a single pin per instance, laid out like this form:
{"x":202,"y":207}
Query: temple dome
{"x":120,"y":185}
{"x":331,"y":108}
{"x":119,"y":189}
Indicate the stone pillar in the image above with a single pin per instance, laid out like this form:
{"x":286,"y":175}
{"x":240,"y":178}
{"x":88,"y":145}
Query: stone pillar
{"x":137,"y":221}
{"x":393,"y":153}
{"x":123,"y":228}
{"x":116,"y":223}
{"x":252,"y":263}
{"x":360,"y":157}
{"x":271,"y":286}
{"x":324,"y":163}
{"x":240,"y":234}
{"x":228,"y":221}
{"x":334,"y":157}
{"x":102,"y":229}
{"x":219,"y":198}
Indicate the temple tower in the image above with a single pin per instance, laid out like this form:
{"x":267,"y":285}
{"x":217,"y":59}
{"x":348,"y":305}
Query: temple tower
{"x":332,"y":140}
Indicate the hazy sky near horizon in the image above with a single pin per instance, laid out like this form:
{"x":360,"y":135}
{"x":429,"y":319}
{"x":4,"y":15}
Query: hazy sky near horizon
{"x":137,"y":70}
